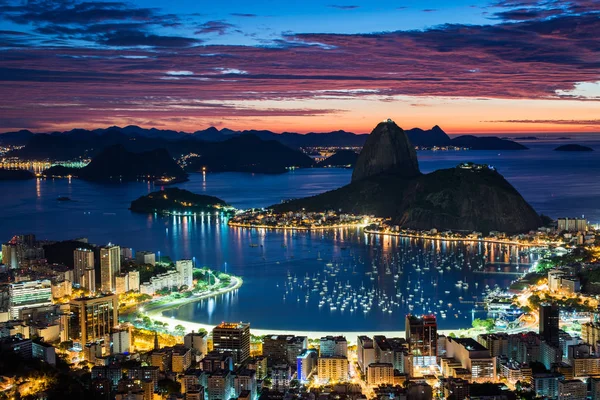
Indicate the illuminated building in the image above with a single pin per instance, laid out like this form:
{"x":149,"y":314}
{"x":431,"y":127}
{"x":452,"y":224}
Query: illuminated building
{"x":595,"y":383}
{"x":572,"y":224}
{"x":294,"y":347}
{"x":259,"y":364}
{"x":496,"y":343}
{"x":186,"y":272}
{"x":110,"y":266}
{"x":61,"y":289}
{"x":121,"y":283}
{"x":546,"y":384}
{"x":365,"y":352}
{"x":162,"y":359}
{"x":281,"y":374}
{"x":44,"y":352}
{"x":133,"y":281}
{"x":333,"y":346}
{"x":220,"y":385}
{"x":92,"y":318}
{"x":572,"y":390}
{"x":27,"y":295}
{"x":383,"y":350}
{"x":121,"y":340}
{"x":83,"y":259}
{"x":380,"y":374}
{"x":421,"y":335}
{"x":197,"y":341}
{"x":88,"y":280}
{"x":181,"y":359}
{"x":332,"y":369}
{"x":215,"y":361}
{"x":306,"y":364}
{"x":472,"y":357}
{"x":245,"y":380}
{"x":233,"y":338}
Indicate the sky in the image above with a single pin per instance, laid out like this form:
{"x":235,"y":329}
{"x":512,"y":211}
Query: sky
{"x":470,"y":66}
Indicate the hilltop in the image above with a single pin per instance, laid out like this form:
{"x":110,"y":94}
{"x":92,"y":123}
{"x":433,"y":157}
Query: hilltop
{"x":466,"y":198}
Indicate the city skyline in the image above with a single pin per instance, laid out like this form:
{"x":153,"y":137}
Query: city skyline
{"x":469,"y":66}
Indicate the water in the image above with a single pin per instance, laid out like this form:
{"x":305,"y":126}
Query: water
{"x":555,"y":183}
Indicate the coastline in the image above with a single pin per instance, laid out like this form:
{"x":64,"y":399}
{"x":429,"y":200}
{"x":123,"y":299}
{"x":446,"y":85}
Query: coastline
{"x":156,"y":313}
{"x":437,"y":238}
{"x":294,"y":228}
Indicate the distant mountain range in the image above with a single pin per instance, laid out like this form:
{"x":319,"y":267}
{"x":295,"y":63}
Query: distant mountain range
{"x":82,"y":142}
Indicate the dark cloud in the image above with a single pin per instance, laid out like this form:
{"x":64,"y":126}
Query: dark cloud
{"x":81,"y":13}
{"x":214,"y":27}
{"x":131,"y":38}
{"x":524,"y":14}
{"x":343,"y":7}
{"x":428,"y":10}
{"x":243,"y":15}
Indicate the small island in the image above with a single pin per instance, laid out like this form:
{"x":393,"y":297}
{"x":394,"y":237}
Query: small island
{"x":573,"y":147}
{"x":175,"y":201}
{"x":15,"y":174}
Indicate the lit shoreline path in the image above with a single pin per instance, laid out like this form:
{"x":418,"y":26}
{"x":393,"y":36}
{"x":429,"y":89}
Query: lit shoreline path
{"x":155,"y":308}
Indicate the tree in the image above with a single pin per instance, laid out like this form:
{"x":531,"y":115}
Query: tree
{"x":487,"y":324}
{"x":294,"y":383}
{"x":180,"y":330}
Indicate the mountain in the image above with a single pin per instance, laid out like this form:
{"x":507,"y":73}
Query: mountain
{"x":573,"y":147}
{"x":342,"y":158}
{"x":466,"y":198}
{"x":178,"y":200}
{"x":18,"y":138}
{"x":115,"y":163}
{"x":486,"y":143}
{"x":387,"y":150}
{"x":248,"y":153}
{"x":430,"y":138}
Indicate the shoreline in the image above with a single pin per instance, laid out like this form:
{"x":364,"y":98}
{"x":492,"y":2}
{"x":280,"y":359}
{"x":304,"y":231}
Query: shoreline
{"x":293,"y":228}
{"x":156,"y":313}
{"x":435,"y":238}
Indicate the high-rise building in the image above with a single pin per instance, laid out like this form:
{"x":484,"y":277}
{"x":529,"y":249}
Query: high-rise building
{"x":306,"y":364}
{"x":197,"y":341}
{"x":275,"y":348}
{"x":365,"y":352}
{"x":110,"y":266}
{"x":332,"y":369}
{"x":186,"y":270}
{"x":121,"y":341}
{"x":572,"y":224}
{"x":421,"y":335}
{"x":121,"y":283}
{"x":220,"y":385}
{"x":333,"y":346}
{"x":380,"y":374}
{"x":88,"y":281}
{"x":549,"y":318}
{"x":134,"y":281}
{"x":83,"y":259}
{"x":92,"y":319}
{"x":233,"y":338}
{"x":29,"y":294}
{"x":573,"y":389}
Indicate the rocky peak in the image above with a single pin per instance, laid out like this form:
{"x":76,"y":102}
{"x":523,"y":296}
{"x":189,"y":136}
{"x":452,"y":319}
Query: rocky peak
{"x":387,"y":150}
